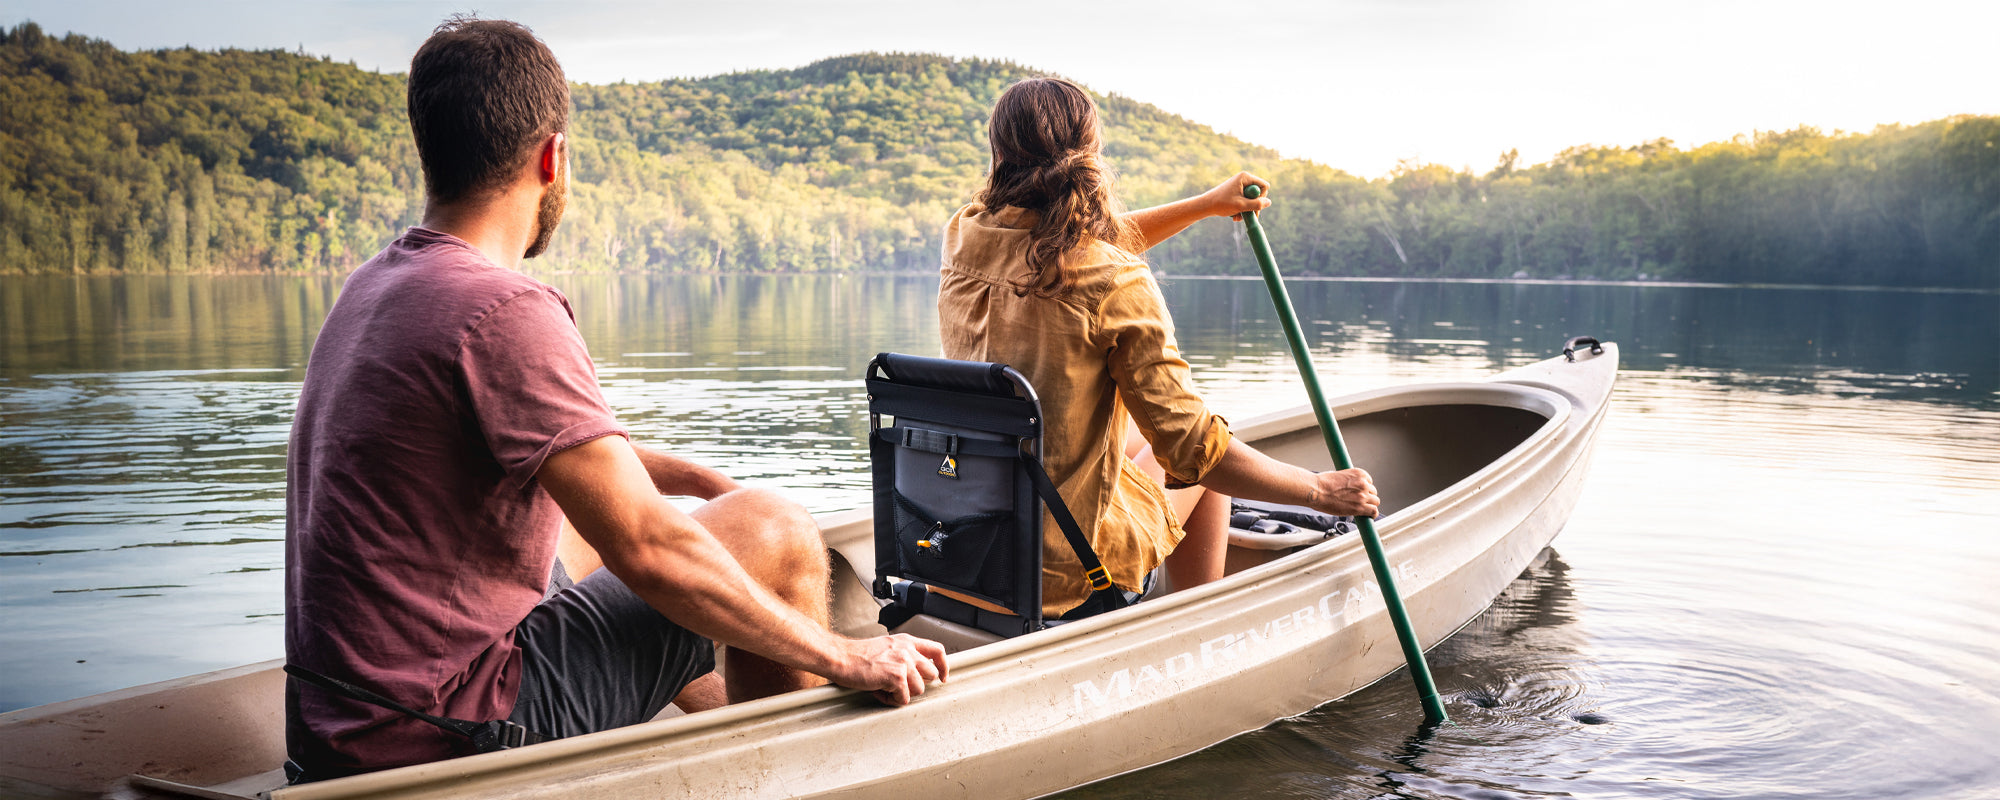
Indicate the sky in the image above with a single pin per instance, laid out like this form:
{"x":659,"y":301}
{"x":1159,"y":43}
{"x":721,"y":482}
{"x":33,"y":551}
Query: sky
{"x":1358,"y":85}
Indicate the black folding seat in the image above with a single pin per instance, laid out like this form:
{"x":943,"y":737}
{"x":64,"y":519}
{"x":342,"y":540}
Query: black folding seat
{"x":959,"y":488}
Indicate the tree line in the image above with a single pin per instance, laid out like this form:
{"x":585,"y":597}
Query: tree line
{"x":272,"y":161}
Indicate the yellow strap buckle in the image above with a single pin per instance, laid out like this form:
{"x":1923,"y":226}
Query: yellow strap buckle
{"x":1098,"y":578}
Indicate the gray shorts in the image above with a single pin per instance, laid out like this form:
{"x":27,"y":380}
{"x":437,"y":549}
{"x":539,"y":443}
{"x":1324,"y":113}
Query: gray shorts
{"x":594,"y":657}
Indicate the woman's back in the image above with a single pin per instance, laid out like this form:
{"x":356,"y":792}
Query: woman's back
{"x":1039,"y":274}
{"x":1105,"y":334}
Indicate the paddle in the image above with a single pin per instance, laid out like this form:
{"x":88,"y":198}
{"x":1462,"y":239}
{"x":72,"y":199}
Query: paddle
{"x":1412,"y":652}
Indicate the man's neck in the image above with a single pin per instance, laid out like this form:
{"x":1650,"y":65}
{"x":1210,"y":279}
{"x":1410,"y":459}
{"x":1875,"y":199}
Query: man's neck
{"x":499,"y":226}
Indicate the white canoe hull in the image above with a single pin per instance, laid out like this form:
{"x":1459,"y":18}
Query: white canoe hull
{"x":1020,"y":718}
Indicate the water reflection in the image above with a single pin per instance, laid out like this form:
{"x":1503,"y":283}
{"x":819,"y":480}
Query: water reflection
{"x":159,"y":322}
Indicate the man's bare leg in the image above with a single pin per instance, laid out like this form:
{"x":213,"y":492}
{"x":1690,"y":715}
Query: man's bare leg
{"x":702,"y":694}
{"x":779,"y":545}
{"x":776,"y":541}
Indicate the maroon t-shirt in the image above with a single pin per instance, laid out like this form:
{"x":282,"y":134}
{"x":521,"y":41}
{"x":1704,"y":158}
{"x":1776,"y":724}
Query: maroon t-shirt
{"x":416,"y":536}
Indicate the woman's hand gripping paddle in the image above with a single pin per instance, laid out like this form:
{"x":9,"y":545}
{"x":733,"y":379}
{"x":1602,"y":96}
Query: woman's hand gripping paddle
{"x":1412,"y":652}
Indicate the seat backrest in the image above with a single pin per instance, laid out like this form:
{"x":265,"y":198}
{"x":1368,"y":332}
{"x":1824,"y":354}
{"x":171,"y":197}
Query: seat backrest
{"x":958,"y":523}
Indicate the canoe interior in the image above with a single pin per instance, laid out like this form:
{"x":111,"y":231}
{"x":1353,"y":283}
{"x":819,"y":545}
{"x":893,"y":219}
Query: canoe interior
{"x":1417,"y":451}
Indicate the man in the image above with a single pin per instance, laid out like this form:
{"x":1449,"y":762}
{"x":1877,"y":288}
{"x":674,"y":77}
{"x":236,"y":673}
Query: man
{"x":449,"y":423}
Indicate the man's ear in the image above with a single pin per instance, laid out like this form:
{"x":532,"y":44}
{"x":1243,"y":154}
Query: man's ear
{"x":550,"y":157}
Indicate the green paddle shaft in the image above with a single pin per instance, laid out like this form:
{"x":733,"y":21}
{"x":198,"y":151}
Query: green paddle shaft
{"x":1412,"y":652}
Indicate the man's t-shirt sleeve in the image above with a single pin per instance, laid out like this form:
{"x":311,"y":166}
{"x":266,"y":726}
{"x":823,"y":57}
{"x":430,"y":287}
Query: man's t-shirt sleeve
{"x":531,"y":384}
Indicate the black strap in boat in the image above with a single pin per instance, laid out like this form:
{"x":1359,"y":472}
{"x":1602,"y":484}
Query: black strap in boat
{"x":953,"y":444}
{"x":1093,"y":569}
{"x":1296,"y":516}
{"x":486,"y":737}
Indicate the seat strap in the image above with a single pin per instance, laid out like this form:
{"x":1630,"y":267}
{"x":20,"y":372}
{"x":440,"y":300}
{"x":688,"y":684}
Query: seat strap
{"x":1093,"y":569}
{"x":931,"y":441}
{"x":500,"y":734}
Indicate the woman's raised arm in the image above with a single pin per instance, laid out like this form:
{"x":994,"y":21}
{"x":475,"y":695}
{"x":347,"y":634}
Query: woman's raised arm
{"x":1160,"y":223}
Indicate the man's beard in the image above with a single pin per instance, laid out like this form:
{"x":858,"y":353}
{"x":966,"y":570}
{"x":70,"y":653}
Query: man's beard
{"x":554,"y":199}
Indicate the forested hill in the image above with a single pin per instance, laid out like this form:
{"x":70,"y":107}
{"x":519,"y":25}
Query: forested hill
{"x":184,"y":160}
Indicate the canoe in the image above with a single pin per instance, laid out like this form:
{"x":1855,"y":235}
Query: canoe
{"x":1477,"y":478}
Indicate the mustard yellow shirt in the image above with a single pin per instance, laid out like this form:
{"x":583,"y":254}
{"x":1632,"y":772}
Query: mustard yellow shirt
{"x":1107,"y":339}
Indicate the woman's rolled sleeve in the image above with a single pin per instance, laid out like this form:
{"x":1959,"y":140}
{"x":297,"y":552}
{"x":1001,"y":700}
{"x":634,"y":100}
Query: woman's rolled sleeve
{"x":1153,"y":381}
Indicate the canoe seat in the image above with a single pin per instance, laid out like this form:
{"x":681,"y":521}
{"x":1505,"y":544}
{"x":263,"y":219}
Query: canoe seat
{"x":954,"y":451}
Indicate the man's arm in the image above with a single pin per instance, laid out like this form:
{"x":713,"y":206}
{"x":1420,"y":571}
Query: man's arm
{"x":679,"y":569}
{"x":673,"y":475}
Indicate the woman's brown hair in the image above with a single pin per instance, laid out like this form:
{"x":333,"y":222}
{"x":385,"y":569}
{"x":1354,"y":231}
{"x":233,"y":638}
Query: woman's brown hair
{"x":1045,"y":137}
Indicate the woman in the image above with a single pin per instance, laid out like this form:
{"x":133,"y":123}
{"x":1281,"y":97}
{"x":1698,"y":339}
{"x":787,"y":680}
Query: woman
{"x":1041,"y":273}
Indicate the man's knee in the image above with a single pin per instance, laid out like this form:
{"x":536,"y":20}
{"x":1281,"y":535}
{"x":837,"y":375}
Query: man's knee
{"x":768,"y":533}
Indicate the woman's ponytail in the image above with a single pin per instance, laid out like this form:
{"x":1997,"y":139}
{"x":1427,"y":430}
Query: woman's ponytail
{"x":1045,"y":138}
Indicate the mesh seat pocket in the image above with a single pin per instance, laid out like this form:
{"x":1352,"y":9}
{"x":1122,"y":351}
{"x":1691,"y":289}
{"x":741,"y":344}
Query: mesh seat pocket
{"x":958,"y":552}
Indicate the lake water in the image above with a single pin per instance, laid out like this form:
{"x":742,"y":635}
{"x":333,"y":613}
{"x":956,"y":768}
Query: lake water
{"x":1781,"y":580}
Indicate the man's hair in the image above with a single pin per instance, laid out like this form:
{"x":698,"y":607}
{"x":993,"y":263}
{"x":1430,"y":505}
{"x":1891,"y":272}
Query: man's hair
{"x":483,"y":94}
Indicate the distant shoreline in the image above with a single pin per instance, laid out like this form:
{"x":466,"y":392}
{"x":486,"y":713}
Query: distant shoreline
{"x":1163,"y":276}
{"x":1598,"y":282}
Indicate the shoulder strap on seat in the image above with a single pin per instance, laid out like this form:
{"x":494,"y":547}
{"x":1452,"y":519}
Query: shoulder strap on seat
{"x":1093,"y":569}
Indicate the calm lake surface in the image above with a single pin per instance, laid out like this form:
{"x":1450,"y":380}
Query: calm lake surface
{"x":1781,"y":580}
